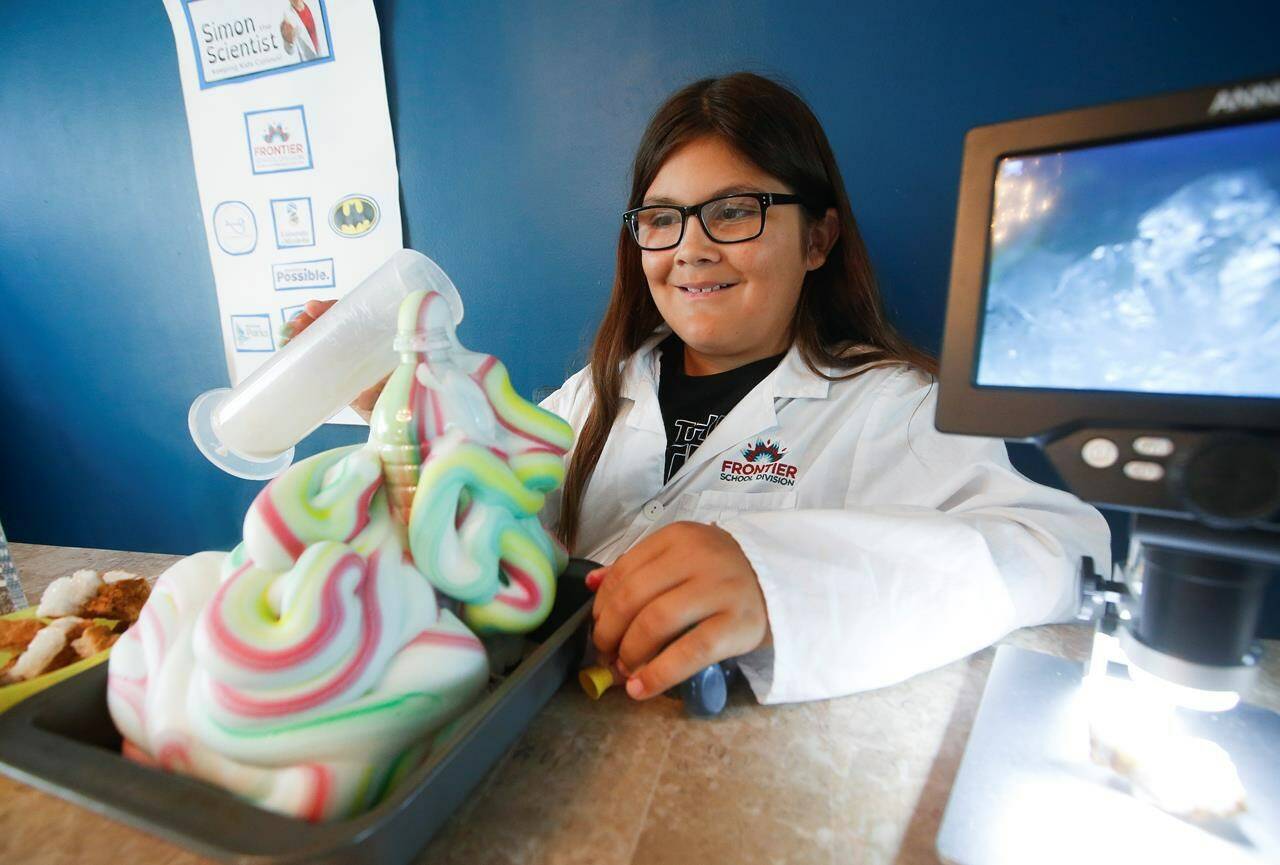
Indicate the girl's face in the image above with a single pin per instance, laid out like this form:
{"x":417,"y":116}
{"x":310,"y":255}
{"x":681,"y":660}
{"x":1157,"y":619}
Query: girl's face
{"x":748,"y":317}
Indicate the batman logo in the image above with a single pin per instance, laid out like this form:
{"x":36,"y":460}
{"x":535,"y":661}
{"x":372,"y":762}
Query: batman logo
{"x":354,"y":216}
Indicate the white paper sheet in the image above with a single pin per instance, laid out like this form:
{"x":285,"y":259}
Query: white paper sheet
{"x":291,"y":137}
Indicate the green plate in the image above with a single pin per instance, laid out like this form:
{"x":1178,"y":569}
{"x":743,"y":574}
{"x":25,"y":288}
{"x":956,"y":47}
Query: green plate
{"x":19,"y":691}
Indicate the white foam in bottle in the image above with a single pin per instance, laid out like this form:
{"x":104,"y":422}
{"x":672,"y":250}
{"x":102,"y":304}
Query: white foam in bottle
{"x":250,"y":430}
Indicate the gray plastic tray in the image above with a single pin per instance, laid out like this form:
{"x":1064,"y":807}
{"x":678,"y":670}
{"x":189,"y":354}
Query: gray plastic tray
{"x":63,"y":741}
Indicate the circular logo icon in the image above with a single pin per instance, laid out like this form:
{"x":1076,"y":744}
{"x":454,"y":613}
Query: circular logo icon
{"x":354,"y":216}
{"x":235,"y":228}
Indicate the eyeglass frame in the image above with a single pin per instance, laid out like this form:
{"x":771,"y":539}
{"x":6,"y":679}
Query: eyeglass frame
{"x":766,"y":199}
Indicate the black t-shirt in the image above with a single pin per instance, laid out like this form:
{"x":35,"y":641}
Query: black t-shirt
{"x":692,"y":405}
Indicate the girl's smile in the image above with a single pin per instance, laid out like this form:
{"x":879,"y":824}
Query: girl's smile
{"x":704,"y":289}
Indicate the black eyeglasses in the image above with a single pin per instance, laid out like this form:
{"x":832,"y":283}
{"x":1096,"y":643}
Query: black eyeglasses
{"x":727,"y":219}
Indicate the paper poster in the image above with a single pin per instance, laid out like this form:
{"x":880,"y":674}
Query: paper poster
{"x":291,"y":138}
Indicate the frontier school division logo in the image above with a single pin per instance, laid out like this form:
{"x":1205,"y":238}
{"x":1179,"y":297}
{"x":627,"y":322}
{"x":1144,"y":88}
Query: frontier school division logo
{"x":278,"y":139}
{"x":762,"y":461}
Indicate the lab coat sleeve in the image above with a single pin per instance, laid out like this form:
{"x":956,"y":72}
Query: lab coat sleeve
{"x":942,"y":548}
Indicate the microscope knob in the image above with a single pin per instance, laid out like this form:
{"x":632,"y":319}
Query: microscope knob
{"x":1229,"y":480}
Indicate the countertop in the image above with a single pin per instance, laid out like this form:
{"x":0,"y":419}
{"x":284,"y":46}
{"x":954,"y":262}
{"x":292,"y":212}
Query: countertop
{"x":861,"y":779}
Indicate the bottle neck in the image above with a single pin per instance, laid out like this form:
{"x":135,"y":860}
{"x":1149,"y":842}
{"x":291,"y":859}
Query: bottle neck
{"x":435,"y":343}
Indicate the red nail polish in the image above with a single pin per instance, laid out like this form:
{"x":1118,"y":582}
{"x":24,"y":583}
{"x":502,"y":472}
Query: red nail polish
{"x":593,"y":580}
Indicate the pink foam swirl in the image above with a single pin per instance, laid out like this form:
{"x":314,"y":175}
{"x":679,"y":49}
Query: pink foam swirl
{"x":371,"y":620}
{"x":329,"y":622}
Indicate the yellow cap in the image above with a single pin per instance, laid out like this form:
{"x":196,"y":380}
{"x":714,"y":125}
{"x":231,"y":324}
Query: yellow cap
{"x":596,"y":680}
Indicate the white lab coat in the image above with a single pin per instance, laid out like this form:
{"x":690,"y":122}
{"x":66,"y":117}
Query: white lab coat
{"x":302,"y":44}
{"x":896,"y":548}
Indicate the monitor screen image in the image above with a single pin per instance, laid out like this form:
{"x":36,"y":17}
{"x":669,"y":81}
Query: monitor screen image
{"x":1147,"y":266}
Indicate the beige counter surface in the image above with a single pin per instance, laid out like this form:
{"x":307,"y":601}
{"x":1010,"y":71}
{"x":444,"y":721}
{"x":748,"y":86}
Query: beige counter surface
{"x":862,"y":779}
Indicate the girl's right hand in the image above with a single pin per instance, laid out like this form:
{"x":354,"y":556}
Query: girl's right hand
{"x":363,"y":404}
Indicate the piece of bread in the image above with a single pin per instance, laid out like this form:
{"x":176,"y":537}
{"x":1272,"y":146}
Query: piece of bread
{"x":121,"y":600}
{"x":66,"y":596}
{"x":96,"y":638}
{"x":16,"y":635}
{"x":49,"y":650}
{"x":39,"y":648}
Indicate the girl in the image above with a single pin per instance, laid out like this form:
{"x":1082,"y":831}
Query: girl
{"x":756,"y":460}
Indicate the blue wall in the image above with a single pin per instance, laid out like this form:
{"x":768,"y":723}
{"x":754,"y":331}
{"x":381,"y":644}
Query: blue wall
{"x":108,"y":320}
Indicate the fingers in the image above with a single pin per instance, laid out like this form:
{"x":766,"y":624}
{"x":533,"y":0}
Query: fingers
{"x":293,"y":327}
{"x":709,"y":642}
{"x":680,"y":600}
{"x":643,"y":554}
{"x":623,"y":594}
{"x":304,"y":319}
{"x":667,"y":617}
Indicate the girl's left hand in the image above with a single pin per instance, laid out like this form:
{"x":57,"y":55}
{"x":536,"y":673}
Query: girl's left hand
{"x":681,"y":599}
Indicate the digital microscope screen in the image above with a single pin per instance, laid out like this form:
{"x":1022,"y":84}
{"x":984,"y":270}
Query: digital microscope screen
{"x":1146,"y":266}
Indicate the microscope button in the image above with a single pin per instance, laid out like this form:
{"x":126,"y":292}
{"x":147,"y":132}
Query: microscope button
{"x":1152,"y":446}
{"x":1140,"y":470}
{"x":1100,"y":453}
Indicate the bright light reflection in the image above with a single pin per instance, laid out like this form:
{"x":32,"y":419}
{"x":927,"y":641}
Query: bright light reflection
{"x":1135,"y":732}
{"x":1024,"y":194}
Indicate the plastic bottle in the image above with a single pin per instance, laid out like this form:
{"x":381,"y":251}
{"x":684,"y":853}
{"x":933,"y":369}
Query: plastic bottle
{"x":250,"y":430}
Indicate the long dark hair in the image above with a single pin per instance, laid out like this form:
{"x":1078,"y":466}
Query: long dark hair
{"x":839,"y":320}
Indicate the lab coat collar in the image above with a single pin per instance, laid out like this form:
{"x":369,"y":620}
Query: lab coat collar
{"x":791,"y":379}
{"x":641,"y":371}
{"x":640,"y":385}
